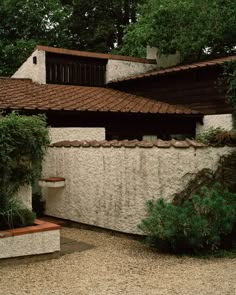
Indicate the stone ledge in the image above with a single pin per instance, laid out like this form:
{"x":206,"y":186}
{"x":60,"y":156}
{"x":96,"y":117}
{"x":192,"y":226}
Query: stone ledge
{"x":130,"y":144}
{"x":179,"y":144}
{"x":38,"y":226}
{"x":53,"y":182}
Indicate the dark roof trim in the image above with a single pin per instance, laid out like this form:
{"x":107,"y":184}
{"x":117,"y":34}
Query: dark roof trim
{"x":94,"y":54}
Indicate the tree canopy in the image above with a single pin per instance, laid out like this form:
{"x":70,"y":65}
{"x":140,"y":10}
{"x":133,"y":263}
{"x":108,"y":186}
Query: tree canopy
{"x":98,"y":25}
{"x":75,"y":24}
{"x":193,"y":28}
{"x":24,"y":23}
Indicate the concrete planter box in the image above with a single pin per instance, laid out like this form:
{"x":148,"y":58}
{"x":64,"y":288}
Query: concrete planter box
{"x":41,"y":238}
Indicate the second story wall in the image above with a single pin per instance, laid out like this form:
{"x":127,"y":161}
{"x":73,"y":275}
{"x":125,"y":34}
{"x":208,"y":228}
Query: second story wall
{"x":71,"y":67}
{"x":33,"y":68}
{"x":120,"y":69}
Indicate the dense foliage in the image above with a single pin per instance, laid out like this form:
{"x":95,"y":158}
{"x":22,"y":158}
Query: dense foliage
{"x":201,"y":217}
{"x":193,"y":28}
{"x":230,"y":79}
{"x":78,"y":24}
{"x":24,"y":23}
{"x":224,"y":174}
{"x":201,"y":223}
{"x":217,"y":136}
{"x":98,"y":25}
{"x":23,"y":143}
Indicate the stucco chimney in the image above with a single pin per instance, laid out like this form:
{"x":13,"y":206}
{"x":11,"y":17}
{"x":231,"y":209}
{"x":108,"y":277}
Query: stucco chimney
{"x":151,"y":52}
{"x":170,"y":60}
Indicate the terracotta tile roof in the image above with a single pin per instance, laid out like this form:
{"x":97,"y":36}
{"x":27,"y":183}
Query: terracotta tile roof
{"x":17,"y":94}
{"x":94,"y":54}
{"x":130,"y":144}
{"x":202,"y":64}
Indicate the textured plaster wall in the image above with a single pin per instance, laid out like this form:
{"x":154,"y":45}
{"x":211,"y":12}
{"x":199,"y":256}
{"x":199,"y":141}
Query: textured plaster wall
{"x":163,"y":61}
{"x":29,"y":70}
{"x":30,"y":244}
{"x":151,"y":52}
{"x":108,"y":187}
{"x":25,"y":196}
{"x":225,"y":121}
{"x":59,"y":134}
{"x":118,"y":69}
{"x":166,"y":61}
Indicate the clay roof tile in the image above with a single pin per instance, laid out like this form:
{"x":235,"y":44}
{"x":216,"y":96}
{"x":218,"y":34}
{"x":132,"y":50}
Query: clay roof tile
{"x":24,"y":94}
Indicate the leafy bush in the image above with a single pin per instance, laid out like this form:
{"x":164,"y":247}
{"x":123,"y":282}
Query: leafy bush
{"x":201,"y":223}
{"x":230,"y":82}
{"x":217,"y":136}
{"x":225,"y":174}
{"x":23,"y":143}
{"x":15,"y":215}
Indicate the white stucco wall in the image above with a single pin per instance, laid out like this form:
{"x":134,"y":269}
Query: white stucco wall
{"x":25,"y":196}
{"x":30,"y":244}
{"x":108,"y":187}
{"x":119,"y":69}
{"x":29,"y":70}
{"x":163,"y":61}
{"x":170,"y":60}
{"x":151,"y":52}
{"x":225,"y":121}
{"x":59,"y":134}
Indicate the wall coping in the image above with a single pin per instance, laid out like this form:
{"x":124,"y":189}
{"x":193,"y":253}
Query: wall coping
{"x":188,"y":143}
{"x":39,"y":226}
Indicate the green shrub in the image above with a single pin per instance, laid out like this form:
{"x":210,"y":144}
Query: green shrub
{"x":23,"y":143}
{"x":225,"y":174}
{"x":200,"y":224}
{"x":15,"y":215}
{"x":217,"y":136}
{"x":229,"y":77}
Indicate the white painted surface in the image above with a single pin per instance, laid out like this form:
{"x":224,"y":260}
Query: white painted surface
{"x":108,"y":187}
{"x":56,"y":184}
{"x":151,"y":52}
{"x":30,"y":244}
{"x":118,"y":69}
{"x":170,"y":60}
{"x":35,"y":72}
{"x":224,"y":121}
{"x":151,"y":137}
{"x":24,"y":195}
{"x":60,"y":134}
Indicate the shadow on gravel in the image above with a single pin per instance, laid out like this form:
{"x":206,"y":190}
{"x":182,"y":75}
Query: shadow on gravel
{"x":69,"y":246}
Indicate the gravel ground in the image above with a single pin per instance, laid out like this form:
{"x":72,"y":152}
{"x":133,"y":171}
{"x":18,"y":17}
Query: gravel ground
{"x":118,"y":266}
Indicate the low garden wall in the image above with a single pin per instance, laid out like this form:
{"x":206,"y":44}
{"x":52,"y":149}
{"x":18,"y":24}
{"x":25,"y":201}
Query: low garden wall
{"x":108,"y":183}
{"x":40,"y":238}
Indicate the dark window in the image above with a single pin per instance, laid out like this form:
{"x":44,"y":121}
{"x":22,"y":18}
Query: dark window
{"x":75,"y":70}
